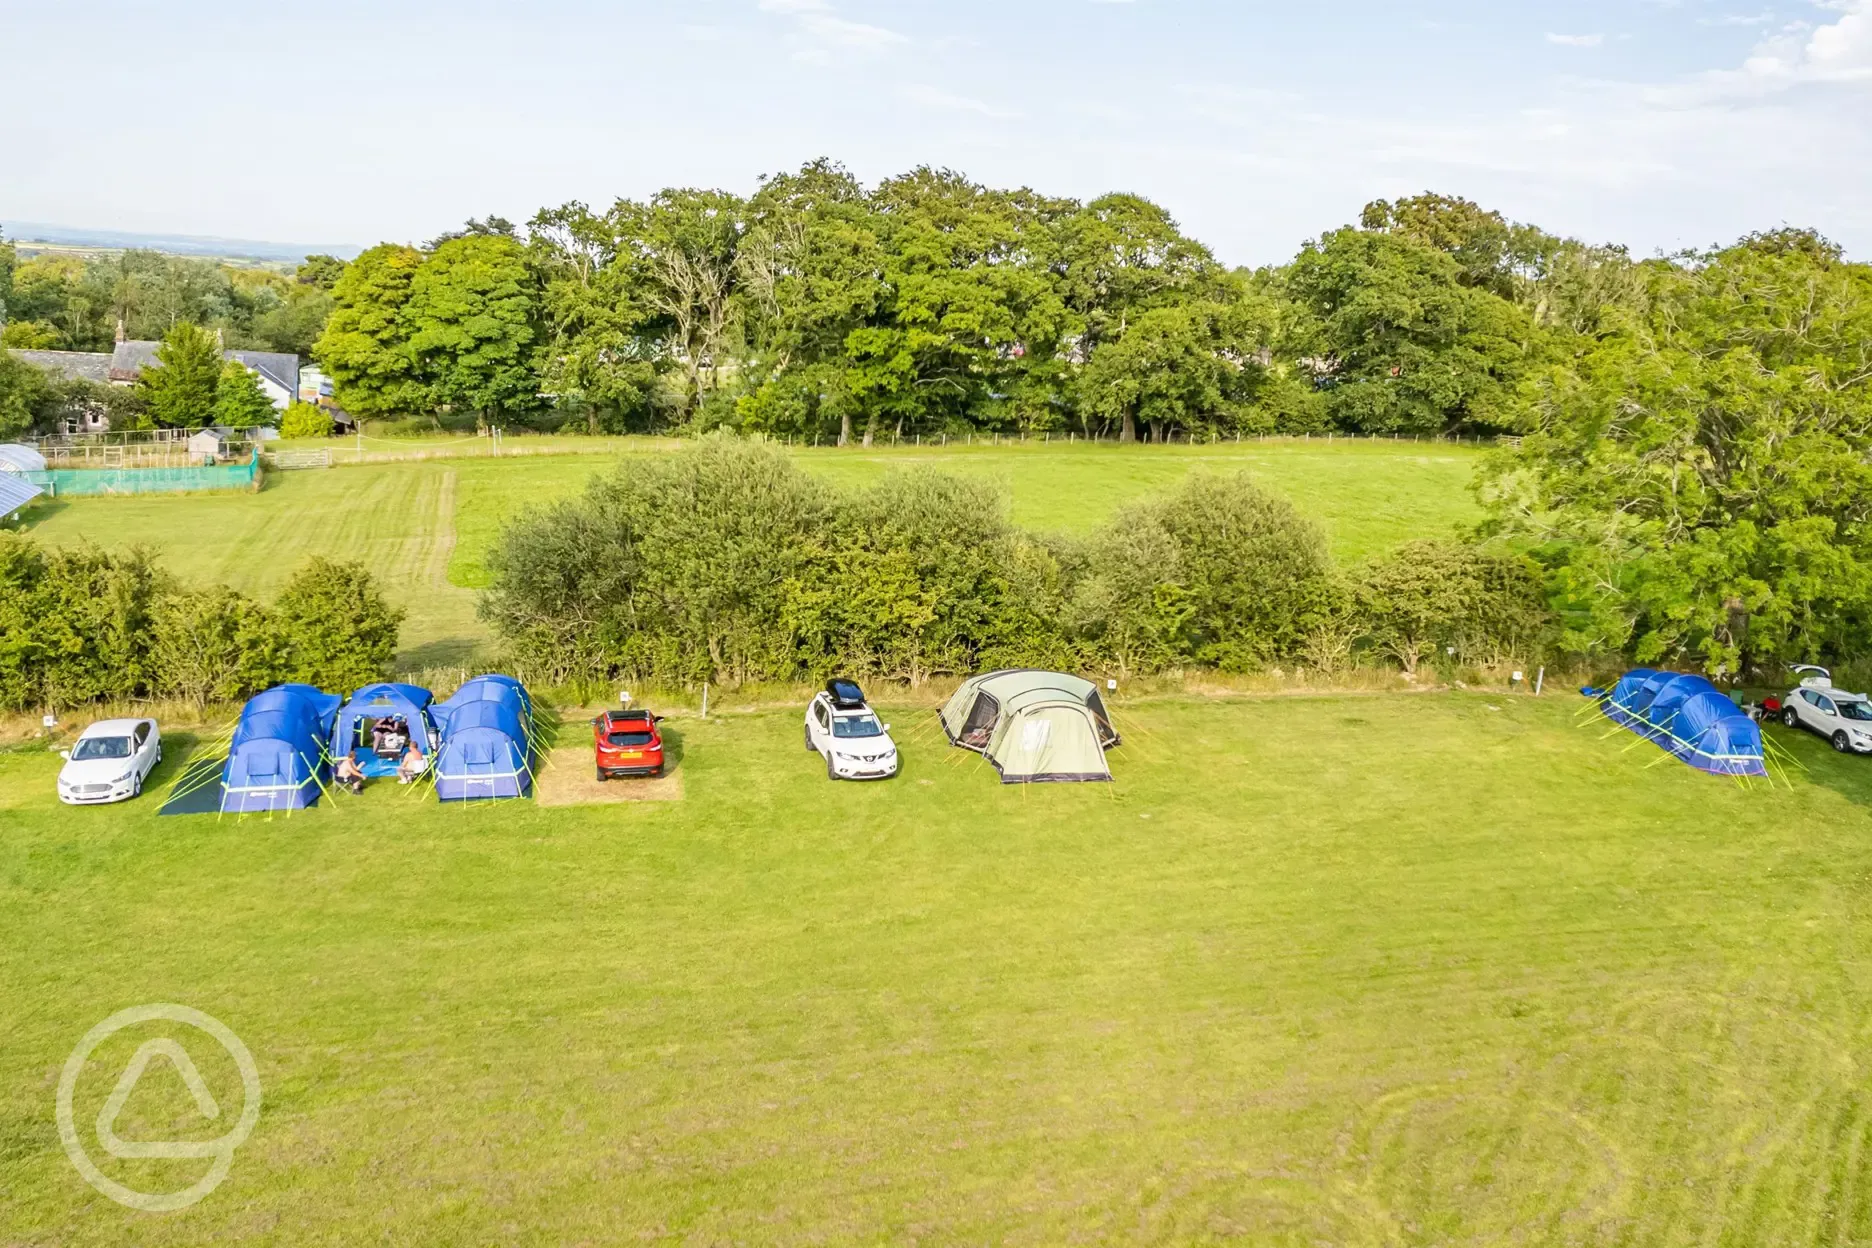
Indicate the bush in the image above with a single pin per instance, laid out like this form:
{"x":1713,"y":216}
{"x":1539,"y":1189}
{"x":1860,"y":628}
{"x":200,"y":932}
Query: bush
{"x":212,"y":645}
{"x":335,"y":629}
{"x":1429,"y":596}
{"x":74,"y":624}
{"x":305,"y":420}
{"x":1219,"y":574}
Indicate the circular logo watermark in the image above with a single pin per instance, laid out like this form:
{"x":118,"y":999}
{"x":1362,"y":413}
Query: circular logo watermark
{"x":221,"y":1149}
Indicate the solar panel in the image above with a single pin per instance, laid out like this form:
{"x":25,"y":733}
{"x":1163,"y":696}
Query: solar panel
{"x":15,"y":493}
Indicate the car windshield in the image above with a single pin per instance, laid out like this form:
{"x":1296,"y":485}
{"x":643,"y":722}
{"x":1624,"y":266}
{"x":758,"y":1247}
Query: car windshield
{"x":101,"y":747}
{"x":629,"y":738}
{"x":857,"y":726}
{"x":1856,"y":710}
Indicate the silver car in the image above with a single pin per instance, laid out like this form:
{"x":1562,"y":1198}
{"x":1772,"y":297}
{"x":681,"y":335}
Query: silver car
{"x":1843,"y":718}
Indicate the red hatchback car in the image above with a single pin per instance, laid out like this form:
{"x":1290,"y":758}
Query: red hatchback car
{"x":627,"y":744}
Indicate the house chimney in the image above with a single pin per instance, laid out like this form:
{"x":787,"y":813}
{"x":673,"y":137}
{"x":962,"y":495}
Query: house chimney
{"x":120,"y":329}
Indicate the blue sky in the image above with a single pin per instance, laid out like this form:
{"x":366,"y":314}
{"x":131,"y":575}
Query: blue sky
{"x":1657,"y":123}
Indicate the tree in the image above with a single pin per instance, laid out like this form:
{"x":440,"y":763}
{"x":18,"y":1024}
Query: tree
{"x":365,"y":344}
{"x":23,"y":393}
{"x":1179,"y":366}
{"x":1401,"y":344}
{"x":1698,"y":483}
{"x":239,"y":401}
{"x":320,"y":272}
{"x":336,"y":629}
{"x":179,"y":389}
{"x":472,"y":320}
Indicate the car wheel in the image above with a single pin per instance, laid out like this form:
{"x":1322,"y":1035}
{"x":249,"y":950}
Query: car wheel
{"x":1842,"y":743}
{"x":810,"y":747}
{"x":830,"y":773}
{"x":136,"y":781}
{"x":601,"y":775}
{"x":1790,"y":717}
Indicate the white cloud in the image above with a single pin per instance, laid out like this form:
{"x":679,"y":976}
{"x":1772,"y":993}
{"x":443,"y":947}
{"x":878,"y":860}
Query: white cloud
{"x":1576,"y":41}
{"x":936,"y":97}
{"x":821,"y":37}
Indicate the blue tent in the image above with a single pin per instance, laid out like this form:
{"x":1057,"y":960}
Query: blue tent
{"x":486,"y":750}
{"x":375,"y":702}
{"x":277,"y":758}
{"x":489,"y":689}
{"x":1689,"y":717}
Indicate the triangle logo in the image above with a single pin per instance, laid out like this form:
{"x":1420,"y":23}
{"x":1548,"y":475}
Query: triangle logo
{"x":184,"y":1066}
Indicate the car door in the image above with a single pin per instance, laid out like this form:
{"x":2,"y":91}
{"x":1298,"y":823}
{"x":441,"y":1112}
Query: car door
{"x":1827,"y":716}
{"x":1807,"y":708}
{"x":142,"y":750}
{"x":820,"y":721}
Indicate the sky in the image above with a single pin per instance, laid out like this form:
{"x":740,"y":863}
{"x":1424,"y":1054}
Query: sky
{"x":1659,"y":124}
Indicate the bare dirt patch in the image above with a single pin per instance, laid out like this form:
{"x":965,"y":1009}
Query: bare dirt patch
{"x":568,"y":779}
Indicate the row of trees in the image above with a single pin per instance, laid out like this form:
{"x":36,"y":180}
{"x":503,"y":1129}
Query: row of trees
{"x":72,"y":302}
{"x":79,"y":625}
{"x":725,"y":561}
{"x":818,"y":306}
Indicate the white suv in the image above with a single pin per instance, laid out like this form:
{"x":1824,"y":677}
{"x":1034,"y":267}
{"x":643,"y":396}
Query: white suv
{"x":109,"y":762}
{"x":1843,"y":718}
{"x":856,"y":744}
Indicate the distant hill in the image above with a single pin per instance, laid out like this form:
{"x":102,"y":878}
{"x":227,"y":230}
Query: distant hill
{"x":27,"y":233}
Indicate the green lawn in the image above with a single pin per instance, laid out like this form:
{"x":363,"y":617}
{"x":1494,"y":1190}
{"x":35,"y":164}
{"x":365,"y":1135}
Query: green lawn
{"x":425,"y":525}
{"x":1388,"y":970}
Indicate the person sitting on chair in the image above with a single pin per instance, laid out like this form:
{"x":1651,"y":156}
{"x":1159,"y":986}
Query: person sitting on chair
{"x":349,"y":775}
{"x":413,"y":764}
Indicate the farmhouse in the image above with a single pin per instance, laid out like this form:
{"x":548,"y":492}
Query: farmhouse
{"x":278,"y":373}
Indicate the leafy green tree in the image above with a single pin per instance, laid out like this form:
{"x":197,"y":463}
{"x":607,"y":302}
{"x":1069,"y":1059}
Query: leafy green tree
{"x":24,"y":391}
{"x":1399,"y":341}
{"x":602,"y":352}
{"x":239,"y":401}
{"x":178,"y":390}
{"x":1699,"y":482}
{"x":365,"y":345}
{"x":472,"y":321}
{"x":320,"y":272}
{"x":1182,"y":366}
{"x":8,"y":259}
{"x":336,"y":629}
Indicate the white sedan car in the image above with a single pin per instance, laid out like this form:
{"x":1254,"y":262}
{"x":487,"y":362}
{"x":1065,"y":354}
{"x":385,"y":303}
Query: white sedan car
{"x":109,"y":762}
{"x":1843,"y":718}
{"x":856,"y":744}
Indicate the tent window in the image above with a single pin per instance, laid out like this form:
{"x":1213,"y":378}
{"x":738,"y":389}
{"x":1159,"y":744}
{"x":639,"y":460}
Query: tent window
{"x":981,"y":721}
{"x":1035,"y":733}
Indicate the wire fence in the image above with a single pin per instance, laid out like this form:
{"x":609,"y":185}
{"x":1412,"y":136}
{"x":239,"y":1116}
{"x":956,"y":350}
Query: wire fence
{"x":74,"y":482}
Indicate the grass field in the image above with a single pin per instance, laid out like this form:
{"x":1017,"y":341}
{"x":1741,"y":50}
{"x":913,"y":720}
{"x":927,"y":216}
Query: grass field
{"x":1392,"y":970}
{"x":424,"y":525}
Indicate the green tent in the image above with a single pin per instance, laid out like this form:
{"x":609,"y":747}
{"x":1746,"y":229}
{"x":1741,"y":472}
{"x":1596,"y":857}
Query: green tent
{"x":1035,"y":727}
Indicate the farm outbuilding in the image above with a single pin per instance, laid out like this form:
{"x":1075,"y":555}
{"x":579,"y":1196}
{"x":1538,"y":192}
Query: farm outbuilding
{"x":1035,"y":727}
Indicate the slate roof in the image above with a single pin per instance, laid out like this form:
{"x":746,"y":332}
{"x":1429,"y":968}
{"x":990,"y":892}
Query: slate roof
{"x":130,"y":358}
{"x":279,"y":368}
{"x":88,"y":365}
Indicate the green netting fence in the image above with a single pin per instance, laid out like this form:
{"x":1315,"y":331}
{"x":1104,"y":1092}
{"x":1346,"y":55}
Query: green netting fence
{"x":67,"y":482}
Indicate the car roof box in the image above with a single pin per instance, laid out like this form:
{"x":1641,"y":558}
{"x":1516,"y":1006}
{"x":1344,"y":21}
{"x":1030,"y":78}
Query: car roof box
{"x":846,"y":695}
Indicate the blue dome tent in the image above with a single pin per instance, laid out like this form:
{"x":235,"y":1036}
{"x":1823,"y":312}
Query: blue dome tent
{"x":276,"y":760}
{"x":380,"y":702}
{"x":486,"y":749}
{"x":1691,"y":718}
